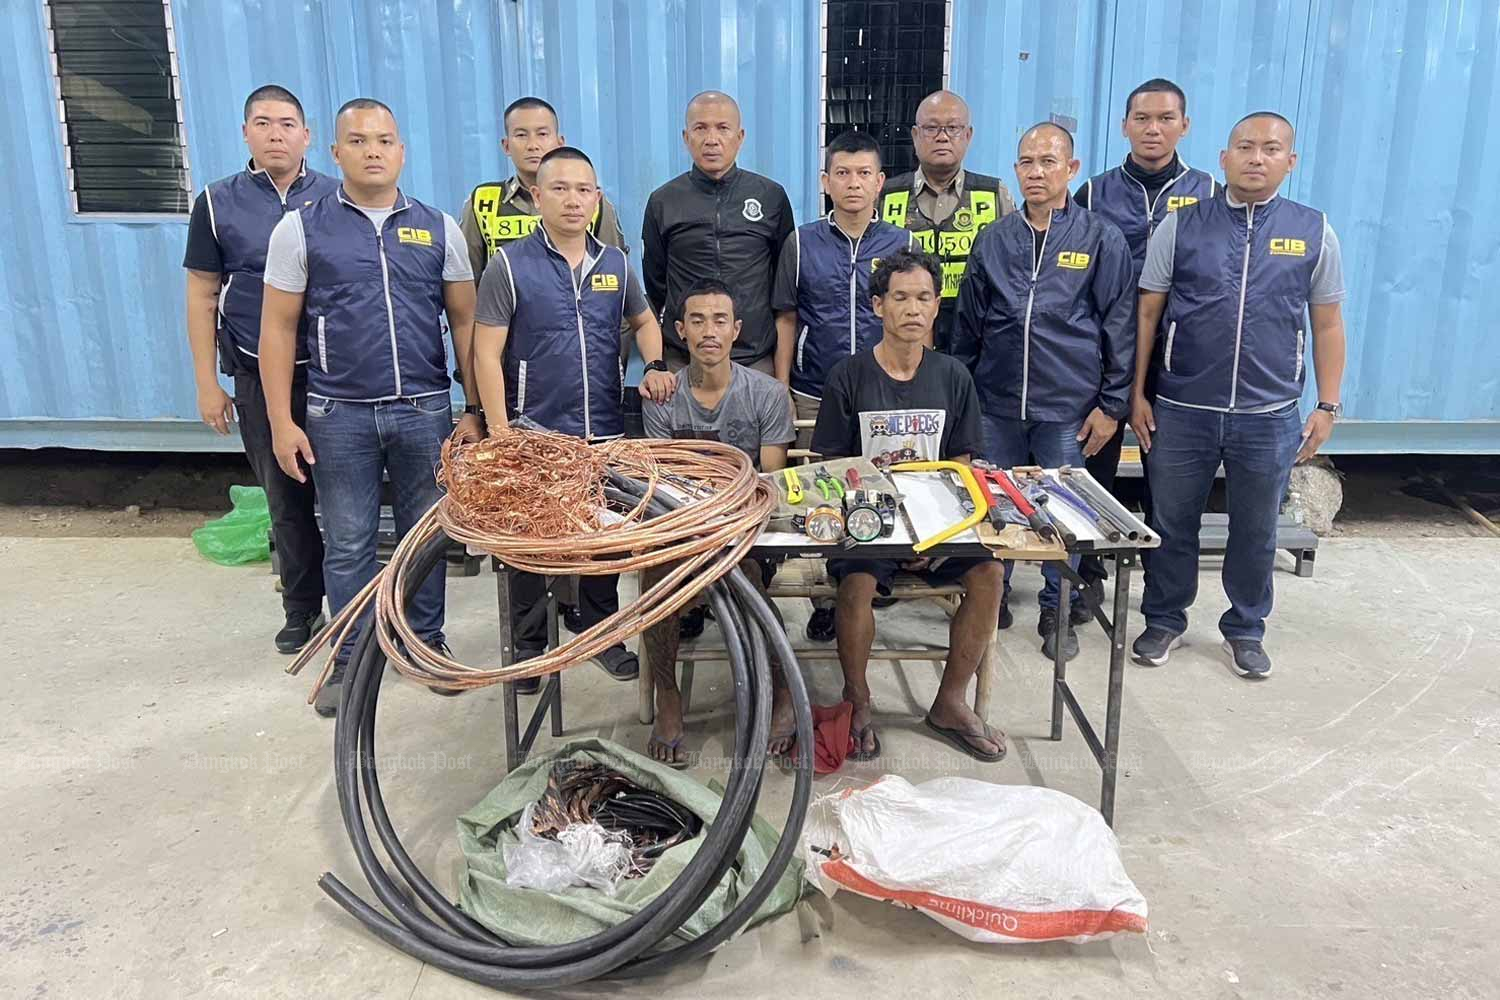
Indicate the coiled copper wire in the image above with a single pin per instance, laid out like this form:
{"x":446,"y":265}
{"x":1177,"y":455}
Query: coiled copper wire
{"x":536,"y":501}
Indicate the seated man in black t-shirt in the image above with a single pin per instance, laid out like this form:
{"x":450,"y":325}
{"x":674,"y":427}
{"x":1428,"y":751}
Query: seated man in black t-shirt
{"x":897,"y":402}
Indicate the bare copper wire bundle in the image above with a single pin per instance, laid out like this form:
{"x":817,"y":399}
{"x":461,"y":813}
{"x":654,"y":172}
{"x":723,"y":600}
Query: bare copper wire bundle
{"x":497,"y":503}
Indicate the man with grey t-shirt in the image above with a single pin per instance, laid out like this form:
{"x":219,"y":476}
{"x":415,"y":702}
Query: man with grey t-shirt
{"x":716,"y":399}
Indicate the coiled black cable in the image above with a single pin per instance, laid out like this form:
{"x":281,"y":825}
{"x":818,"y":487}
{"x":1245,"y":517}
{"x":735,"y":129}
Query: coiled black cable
{"x":455,"y":941}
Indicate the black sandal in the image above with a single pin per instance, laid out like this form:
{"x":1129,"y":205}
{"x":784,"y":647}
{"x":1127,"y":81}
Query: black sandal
{"x":960,"y":739}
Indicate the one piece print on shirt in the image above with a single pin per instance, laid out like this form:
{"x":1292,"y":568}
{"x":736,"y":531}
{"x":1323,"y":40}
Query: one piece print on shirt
{"x":890,"y":436}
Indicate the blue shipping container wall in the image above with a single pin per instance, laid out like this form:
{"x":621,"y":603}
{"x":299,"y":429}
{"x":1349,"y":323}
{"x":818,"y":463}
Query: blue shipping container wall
{"x":1393,"y":105}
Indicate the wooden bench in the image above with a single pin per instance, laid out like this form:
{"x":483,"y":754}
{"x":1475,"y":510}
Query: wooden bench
{"x":806,"y":578}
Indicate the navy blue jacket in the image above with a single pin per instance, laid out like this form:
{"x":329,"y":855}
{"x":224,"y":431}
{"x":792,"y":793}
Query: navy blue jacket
{"x":834,"y":315}
{"x":562,"y":349}
{"x":243,"y":208}
{"x":1236,"y":316}
{"x":1051,"y":340}
{"x":374,"y":301}
{"x":1121,"y":199}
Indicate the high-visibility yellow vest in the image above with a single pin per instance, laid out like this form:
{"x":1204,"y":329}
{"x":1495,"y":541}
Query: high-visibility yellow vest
{"x":500,"y":223}
{"x":952,"y":241}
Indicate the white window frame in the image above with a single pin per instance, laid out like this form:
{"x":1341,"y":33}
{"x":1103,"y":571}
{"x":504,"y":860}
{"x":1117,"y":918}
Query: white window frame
{"x":62,"y":126}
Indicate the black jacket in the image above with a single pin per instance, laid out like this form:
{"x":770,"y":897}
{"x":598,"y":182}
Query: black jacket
{"x":1049,"y":336}
{"x":731,"y":229}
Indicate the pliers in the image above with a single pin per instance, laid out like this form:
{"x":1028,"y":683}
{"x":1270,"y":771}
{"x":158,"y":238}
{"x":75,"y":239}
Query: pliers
{"x":830,"y":487}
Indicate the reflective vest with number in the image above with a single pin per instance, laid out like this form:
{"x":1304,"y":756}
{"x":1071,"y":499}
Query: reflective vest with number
{"x":501,"y":222}
{"x":951,"y":241}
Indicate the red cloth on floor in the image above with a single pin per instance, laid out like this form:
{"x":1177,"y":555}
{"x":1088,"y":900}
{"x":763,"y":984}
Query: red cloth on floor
{"x":832,"y":736}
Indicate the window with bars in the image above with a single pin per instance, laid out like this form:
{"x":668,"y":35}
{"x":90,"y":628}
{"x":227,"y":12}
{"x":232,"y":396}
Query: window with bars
{"x":120,"y":104}
{"x":880,"y":58}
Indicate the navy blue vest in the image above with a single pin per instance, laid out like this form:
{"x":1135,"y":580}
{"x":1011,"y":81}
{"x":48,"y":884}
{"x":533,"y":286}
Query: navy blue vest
{"x":1236,"y":317}
{"x":243,"y":208}
{"x":562,"y":349}
{"x":834,"y":315}
{"x":1122,"y":200}
{"x":374,"y":301}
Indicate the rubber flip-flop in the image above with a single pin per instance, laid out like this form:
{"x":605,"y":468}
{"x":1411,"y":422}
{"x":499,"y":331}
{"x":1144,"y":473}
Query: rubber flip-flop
{"x":674,"y":745}
{"x":791,"y":743}
{"x":960,"y":739}
{"x":858,"y":736}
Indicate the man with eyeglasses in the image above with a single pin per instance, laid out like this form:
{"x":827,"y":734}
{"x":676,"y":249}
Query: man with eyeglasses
{"x":943,"y":205}
{"x":716,"y":221}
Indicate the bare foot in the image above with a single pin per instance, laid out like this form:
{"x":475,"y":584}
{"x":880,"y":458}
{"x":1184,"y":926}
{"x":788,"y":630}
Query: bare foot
{"x":783,"y":724}
{"x":961,"y":717}
{"x":665,"y":744}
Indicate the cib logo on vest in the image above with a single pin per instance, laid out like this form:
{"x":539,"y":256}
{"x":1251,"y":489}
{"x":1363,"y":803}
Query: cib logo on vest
{"x":1073,"y":260}
{"x":605,"y":282}
{"x":421,"y":237}
{"x":1282,"y":246}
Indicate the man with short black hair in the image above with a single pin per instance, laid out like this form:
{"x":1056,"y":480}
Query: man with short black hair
{"x":1044,"y":322}
{"x":716,"y":399}
{"x":226,"y":255}
{"x":902,"y":397}
{"x":716,"y":221}
{"x":945,"y":205}
{"x":822,"y":292}
{"x":500,"y":212}
{"x":1136,"y":196}
{"x":368,"y":273}
{"x":1236,"y":281}
{"x":547,"y":348}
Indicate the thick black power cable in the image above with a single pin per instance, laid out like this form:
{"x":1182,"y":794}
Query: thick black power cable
{"x":462,"y":946}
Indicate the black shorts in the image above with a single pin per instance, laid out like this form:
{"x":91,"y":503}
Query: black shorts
{"x":944,"y":571}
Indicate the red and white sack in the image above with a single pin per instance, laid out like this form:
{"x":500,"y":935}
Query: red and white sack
{"x":994,"y":863}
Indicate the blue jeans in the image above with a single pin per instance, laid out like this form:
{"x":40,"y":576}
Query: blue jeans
{"x":1257,"y":450}
{"x":353,"y":444}
{"x":1009,"y":443}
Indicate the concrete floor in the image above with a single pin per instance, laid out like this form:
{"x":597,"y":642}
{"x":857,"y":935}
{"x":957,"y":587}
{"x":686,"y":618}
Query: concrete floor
{"x":1330,"y":832}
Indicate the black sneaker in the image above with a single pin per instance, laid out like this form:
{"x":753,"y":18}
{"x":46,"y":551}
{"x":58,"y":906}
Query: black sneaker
{"x":1046,"y":626}
{"x":326,"y":703}
{"x":572,"y":618}
{"x":1079,"y":612}
{"x":1006,"y":618}
{"x":1152,"y":647}
{"x":299,"y":628}
{"x":690,"y":624}
{"x":1249,"y":658}
{"x":884,"y":602}
{"x":619,"y":662}
{"x":528,"y":685}
{"x":820,"y":627}
{"x":442,"y":647}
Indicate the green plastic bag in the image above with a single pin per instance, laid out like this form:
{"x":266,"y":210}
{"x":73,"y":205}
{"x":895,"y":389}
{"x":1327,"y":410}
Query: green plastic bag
{"x":530,"y":916}
{"x":241,"y":536}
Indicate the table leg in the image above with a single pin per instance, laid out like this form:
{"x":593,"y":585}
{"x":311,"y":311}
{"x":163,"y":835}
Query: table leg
{"x":554,"y":690}
{"x":1059,"y":657}
{"x":1124,"y":563}
{"x":507,"y":657}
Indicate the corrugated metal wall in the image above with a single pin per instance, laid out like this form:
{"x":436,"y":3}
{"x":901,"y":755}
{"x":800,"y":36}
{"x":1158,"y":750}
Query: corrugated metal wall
{"x":1395,"y":106}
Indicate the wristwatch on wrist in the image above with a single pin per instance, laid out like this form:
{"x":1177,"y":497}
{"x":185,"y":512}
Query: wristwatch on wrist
{"x":1336,"y":410}
{"x":656,"y":366}
{"x":475,"y":409}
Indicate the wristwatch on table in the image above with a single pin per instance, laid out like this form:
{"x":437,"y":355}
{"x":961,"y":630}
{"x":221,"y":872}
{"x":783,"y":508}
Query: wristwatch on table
{"x":656,"y":366}
{"x":1336,"y":410}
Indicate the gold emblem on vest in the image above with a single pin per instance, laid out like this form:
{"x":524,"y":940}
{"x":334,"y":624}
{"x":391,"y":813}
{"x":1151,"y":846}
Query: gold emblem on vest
{"x":1177,"y":201}
{"x":605,"y":282}
{"x":1282,"y":246}
{"x":421,"y":237}
{"x":1073,"y":260}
